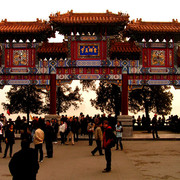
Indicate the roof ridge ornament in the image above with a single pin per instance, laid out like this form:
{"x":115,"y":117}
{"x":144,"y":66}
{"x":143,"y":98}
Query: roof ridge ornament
{"x":175,"y":20}
{"x":38,"y":20}
{"x":70,"y":12}
{"x":139,"y":20}
{"x":108,"y":12}
{"x":5,"y":20}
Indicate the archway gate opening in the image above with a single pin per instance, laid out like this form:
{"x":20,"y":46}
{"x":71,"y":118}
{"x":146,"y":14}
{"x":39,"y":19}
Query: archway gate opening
{"x":96,"y":46}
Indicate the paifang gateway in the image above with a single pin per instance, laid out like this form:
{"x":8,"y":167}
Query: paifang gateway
{"x":96,"y":46}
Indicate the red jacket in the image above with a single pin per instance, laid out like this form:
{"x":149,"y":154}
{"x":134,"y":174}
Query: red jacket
{"x":107,"y":137}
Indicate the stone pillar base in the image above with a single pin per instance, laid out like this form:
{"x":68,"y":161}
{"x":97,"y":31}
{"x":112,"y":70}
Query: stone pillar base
{"x":52,"y":116}
{"x":127,"y":125}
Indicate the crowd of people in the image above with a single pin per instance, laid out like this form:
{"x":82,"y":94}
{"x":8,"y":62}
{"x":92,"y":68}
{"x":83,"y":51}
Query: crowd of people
{"x":171,"y":123}
{"x":68,"y":129}
{"x":106,"y":131}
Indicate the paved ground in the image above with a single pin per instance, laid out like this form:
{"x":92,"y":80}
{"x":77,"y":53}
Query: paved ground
{"x":139,"y":160}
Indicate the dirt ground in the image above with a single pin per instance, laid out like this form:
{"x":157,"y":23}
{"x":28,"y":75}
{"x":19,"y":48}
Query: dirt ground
{"x":140,"y":160}
{"x":155,"y":159}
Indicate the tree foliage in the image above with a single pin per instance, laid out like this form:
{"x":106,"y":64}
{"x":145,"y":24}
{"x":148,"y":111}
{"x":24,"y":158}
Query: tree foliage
{"x":66,"y":97}
{"x":24,"y":99}
{"x":88,"y":85}
{"x":157,"y":99}
{"x":108,"y":98}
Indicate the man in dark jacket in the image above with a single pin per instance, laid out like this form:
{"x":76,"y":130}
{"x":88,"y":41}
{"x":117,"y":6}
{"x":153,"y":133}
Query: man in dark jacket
{"x":24,"y":164}
{"x":154,"y":127}
{"x":107,"y":144}
{"x":9,"y":140}
{"x":49,"y":137}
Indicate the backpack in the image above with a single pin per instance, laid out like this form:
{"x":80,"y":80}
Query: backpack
{"x":114,"y":139}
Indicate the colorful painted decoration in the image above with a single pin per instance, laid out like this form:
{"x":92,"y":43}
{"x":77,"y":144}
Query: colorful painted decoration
{"x":158,"y":58}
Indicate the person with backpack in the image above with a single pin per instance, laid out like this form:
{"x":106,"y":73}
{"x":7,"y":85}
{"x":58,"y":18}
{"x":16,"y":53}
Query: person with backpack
{"x":119,"y":131}
{"x":108,"y":143}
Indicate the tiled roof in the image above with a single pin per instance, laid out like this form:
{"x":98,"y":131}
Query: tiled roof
{"x":140,"y":26}
{"x":51,"y":48}
{"x":24,"y":27}
{"x":123,"y":47}
{"x":88,"y":18}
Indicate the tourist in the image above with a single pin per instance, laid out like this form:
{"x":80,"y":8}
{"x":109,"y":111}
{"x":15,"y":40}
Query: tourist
{"x":49,"y":137}
{"x":83,"y":125}
{"x":24,"y":163}
{"x":55,"y":126}
{"x":76,"y":129}
{"x":144,"y":122}
{"x":9,"y":140}
{"x":70,"y":129}
{"x":139,"y":120}
{"x":1,"y":134}
{"x":154,"y":127}
{"x":38,"y":139}
{"x":107,"y":144}
{"x":119,"y":131}
{"x":90,"y":130}
{"x":3,"y":119}
{"x":62,"y":129}
{"x":133,"y":121}
{"x":18,"y":124}
{"x":98,"y":138}
{"x":26,"y":133}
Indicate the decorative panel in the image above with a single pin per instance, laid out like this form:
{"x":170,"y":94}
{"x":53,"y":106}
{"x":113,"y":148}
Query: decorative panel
{"x":157,"y":57}
{"x":19,"y":57}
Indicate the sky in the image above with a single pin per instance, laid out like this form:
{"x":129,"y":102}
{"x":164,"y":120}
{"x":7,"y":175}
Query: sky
{"x":154,"y":10}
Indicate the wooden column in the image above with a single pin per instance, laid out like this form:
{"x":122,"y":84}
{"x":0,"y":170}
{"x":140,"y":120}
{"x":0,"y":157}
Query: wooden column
{"x":53,"y":94}
{"x":124,"y":99}
{"x":125,"y":119}
{"x":53,"y":87}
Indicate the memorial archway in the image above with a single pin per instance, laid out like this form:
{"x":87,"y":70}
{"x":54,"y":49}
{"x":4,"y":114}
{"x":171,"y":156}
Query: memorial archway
{"x":97,"y":46}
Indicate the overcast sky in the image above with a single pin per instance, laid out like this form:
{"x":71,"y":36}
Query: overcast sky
{"x":154,"y":10}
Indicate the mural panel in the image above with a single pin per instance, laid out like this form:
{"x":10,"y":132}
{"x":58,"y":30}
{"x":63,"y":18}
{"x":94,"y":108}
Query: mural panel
{"x":20,"y":58}
{"x":158,"y":58}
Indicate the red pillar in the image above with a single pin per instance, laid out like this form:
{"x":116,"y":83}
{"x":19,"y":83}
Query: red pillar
{"x":124,"y":99}
{"x":53,"y":94}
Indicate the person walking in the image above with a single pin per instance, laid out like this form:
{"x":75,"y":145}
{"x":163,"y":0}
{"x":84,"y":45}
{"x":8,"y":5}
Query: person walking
{"x":70,"y":129}
{"x":119,"y":131}
{"x":107,"y":144}
{"x":98,"y":138}
{"x":38,"y":140}
{"x":154,"y":127}
{"x":24,"y":163}
{"x":49,"y":137}
{"x":9,"y":140}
